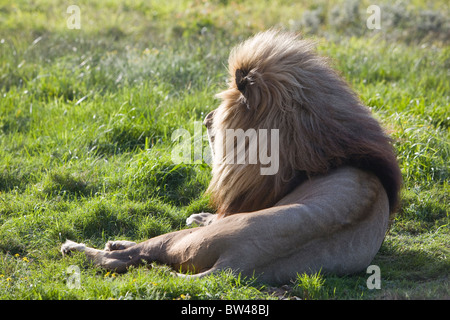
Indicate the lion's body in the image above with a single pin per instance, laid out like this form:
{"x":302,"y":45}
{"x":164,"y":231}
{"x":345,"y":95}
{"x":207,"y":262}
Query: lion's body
{"x":328,"y":206}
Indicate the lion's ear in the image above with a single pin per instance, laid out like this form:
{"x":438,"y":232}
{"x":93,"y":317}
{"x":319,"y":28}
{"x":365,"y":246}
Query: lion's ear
{"x":246,"y":83}
{"x":241,"y":80}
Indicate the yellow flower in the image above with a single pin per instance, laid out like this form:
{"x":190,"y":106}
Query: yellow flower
{"x":107,"y":274}
{"x":183,"y":296}
{"x":113,"y":275}
{"x":25,"y":259}
{"x":17,"y":255}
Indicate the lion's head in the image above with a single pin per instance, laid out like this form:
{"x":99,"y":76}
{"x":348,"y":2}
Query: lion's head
{"x":277,"y":81}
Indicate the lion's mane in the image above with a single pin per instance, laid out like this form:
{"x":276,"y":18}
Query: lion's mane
{"x":283,"y":84}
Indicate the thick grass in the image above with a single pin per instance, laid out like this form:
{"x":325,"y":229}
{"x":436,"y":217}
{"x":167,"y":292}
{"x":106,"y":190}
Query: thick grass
{"x":87,"y":116}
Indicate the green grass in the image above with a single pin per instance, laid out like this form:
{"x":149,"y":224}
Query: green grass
{"x":86,"y":118}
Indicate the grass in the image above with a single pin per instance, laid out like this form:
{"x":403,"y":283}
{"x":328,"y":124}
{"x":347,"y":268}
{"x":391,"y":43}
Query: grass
{"x":86,"y":118}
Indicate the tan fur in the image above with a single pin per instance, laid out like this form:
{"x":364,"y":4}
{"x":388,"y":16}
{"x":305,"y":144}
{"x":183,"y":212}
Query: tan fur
{"x":322,"y":123}
{"x":328,"y":206}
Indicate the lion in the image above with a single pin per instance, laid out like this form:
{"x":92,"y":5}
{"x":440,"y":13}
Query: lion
{"x":328,"y":206}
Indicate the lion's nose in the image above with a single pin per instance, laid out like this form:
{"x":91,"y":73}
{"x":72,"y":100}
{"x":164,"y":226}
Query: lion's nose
{"x":208,"y":119}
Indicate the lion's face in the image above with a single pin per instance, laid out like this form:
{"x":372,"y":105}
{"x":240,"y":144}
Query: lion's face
{"x":246,"y":157}
{"x":207,"y":122}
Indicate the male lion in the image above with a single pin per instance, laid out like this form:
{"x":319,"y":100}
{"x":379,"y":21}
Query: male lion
{"x":326,"y":208}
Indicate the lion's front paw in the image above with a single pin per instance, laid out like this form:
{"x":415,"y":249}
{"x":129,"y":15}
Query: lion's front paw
{"x":118,"y":245}
{"x":70,"y":246}
{"x":201,"y":219}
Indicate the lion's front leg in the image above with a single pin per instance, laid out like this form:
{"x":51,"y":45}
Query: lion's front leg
{"x":181,"y":249}
{"x":119,"y":245}
{"x":111,"y":258}
{"x":70,"y":246}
